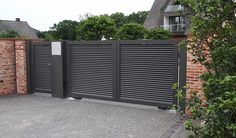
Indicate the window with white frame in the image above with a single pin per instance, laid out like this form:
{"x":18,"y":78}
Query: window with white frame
{"x":176,"y":24}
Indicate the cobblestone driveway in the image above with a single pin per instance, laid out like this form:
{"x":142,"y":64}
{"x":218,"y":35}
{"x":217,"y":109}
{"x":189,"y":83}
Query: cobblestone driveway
{"x":39,"y":115}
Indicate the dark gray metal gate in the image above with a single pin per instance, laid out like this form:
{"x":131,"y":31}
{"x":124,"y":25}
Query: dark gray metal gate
{"x":40,"y":67}
{"x":135,"y":71}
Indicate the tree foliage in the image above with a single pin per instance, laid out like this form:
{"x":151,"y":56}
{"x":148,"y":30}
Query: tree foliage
{"x":138,"y":17}
{"x":65,"y":30}
{"x":85,"y":16}
{"x":8,"y":34}
{"x":213,"y":44}
{"x":47,"y":35}
{"x":91,"y":27}
{"x":119,"y":18}
{"x":96,"y":28}
{"x":135,"y":17}
{"x":40,"y":34}
{"x":131,"y":31}
{"x":158,"y":33}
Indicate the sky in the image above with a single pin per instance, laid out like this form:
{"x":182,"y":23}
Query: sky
{"x":42,"y":14}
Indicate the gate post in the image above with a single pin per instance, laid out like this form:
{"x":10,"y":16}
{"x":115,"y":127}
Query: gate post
{"x":182,"y":73}
{"x":115,"y":66}
{"x":29,"y":57}
{"x":57,"y":70}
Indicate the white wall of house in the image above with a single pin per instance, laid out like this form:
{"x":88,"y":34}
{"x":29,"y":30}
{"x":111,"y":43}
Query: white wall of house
{"x":166,"y":22}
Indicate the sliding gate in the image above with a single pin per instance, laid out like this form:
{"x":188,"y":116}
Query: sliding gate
{"x":127,"y":71}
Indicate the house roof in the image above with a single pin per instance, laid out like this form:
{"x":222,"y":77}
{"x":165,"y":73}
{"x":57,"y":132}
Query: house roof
{"x":155,"y":16}
{"x":21,"y":27}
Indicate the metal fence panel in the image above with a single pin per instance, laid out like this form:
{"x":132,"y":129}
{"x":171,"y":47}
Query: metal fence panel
{"x":41,"y":71}
{"x":91,"y":69}
{"x":148,"y":69}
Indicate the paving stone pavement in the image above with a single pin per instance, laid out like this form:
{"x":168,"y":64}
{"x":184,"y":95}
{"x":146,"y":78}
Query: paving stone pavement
{"x":39,"y":115}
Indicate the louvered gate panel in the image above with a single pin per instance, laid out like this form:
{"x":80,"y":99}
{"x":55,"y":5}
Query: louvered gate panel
{"x":42,"y":67}
{"x":147,"y":72}
{"x":91,"y":69}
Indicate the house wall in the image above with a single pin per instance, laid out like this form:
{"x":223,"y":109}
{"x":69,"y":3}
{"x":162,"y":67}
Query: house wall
{"x":13,"y":77}
{"x":166,"y":22}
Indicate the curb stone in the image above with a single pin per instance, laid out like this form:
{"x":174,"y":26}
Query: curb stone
{"x":176,"y":130}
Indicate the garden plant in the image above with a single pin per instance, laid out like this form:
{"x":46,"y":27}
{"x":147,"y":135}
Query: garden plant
{"x":213,"y":45}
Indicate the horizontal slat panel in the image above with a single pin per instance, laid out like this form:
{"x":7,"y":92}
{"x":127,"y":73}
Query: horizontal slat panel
{"x":90,"y":82}
{"x":91,"y":70}
{"x":88,"y":75}
{"x":42,"y":57}
{"x":85,"y":66}
{"x":156,"y":100}
{"x":147,"y":72}
{"x":150,"y":96}
{"x":102,"y":90}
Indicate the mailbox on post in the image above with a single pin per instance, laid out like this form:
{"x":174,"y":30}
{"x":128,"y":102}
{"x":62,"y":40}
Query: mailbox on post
{"x":57,"y":70}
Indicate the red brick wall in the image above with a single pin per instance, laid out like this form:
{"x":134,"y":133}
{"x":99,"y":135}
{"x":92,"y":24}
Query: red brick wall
{"x":21,"y":74}
{"x":194,"y":71}
{"x":7,"y":67}
{"x":13,"y":66}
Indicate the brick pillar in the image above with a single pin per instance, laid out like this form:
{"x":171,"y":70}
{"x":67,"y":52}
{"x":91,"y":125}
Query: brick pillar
{"x":194,"y":71}
{"x":21,"y":73}
{"x":7,"y":67}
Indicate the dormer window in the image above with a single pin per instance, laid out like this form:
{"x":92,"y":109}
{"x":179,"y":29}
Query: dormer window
{"x":176,"y":24}
{"x":172,"y":19}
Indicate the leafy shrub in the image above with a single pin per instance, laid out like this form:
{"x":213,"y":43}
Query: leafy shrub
{"x":8,"y":34}
{"x":131,"y":31}
{"x":158,"y":33}
{"x":213,"y":115}
{"x":213,"y":44}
